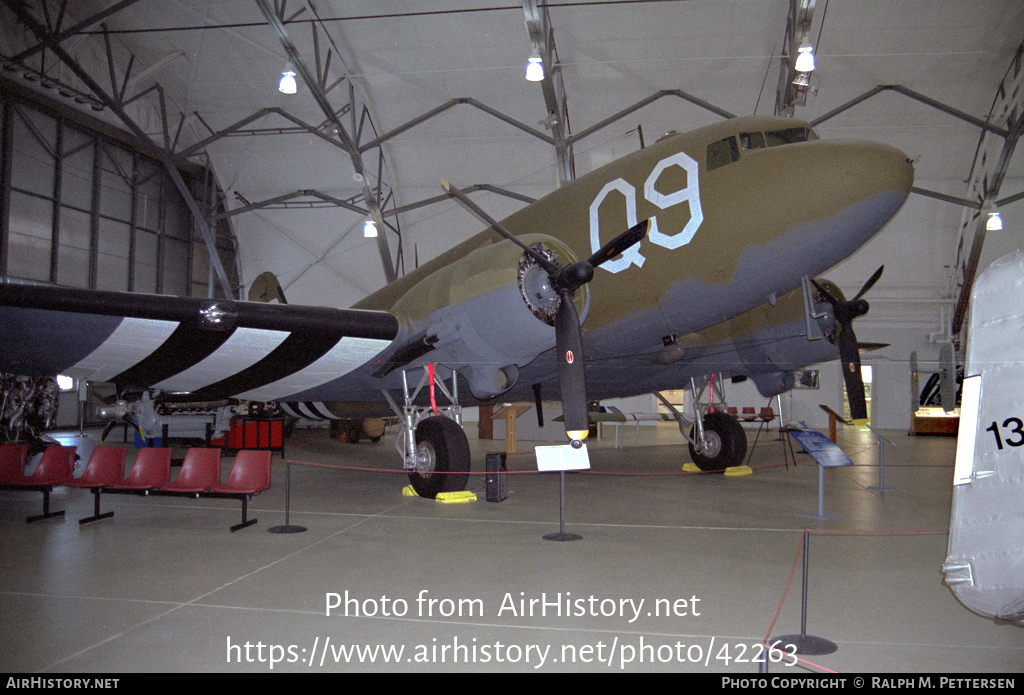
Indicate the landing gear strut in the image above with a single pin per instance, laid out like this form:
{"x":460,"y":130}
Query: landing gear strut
{"x":717,"y":440}
{"x":435,"y":448}
{"x":725,"y":443}
{"x":442,"y":457}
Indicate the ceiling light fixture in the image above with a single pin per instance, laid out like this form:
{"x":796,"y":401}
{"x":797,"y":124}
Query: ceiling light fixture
{"x":287,"y":84}
{"x":369,"y":229}
{"x":534,"y":68}
{"x":994,"y":223}
{"x":805,"y":57}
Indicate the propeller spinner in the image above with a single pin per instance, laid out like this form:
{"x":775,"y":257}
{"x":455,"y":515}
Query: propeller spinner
{"x":565,"y":280}
{"x":845,"y":311}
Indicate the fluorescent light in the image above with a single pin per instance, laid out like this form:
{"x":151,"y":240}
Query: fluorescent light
{"x":534,"y":68}
{"x":287,"y":84}
{"x":805,"y":57}
{"x":369,"y":229}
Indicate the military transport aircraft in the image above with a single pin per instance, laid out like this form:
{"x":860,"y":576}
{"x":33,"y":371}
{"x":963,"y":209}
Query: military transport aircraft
{"x":726,"y":227}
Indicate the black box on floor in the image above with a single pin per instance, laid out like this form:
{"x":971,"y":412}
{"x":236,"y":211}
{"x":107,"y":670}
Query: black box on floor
{"x":496,"y":477}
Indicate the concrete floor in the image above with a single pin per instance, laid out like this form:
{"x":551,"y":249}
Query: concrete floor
{"x":164,"y":586}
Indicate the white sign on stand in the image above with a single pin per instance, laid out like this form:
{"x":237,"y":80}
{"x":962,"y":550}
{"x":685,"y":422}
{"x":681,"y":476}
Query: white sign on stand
{"x":562,"y":458}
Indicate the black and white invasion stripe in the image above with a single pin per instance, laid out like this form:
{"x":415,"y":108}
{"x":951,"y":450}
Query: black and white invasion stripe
{"x":211,"y":348}
{"x":313,"y":410}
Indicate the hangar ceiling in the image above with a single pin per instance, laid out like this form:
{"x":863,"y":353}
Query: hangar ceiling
{"x":217,"y":64}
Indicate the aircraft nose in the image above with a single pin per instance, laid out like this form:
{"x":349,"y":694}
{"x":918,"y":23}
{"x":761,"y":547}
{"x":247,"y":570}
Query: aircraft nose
{"x":866,"y":169}
{"x":850,"y":189}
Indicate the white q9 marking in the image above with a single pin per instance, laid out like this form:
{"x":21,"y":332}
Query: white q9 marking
{"x":632,"y":254}
{"x":689,"y":194}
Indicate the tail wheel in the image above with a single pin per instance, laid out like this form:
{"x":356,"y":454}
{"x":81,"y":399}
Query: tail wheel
{"x":726,"y":440}
{"x":442,"y":457}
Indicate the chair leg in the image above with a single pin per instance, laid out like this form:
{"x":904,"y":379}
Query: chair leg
{"x":96,"y":516}
{"x":750,"y":451}
{"x":47,"y":514}
{"x":245,"y":520}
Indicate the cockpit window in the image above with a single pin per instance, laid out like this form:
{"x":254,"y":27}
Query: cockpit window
{"x":751,"y":141}
{"x":722,"y":152}
{"x":788,"y":136}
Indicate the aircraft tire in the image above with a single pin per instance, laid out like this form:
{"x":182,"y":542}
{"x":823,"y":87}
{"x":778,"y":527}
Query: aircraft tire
{"x":446,"y":447}
{"x":728,"y":445}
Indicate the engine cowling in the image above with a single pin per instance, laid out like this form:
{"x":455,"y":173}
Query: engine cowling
{"x":491,"y":313}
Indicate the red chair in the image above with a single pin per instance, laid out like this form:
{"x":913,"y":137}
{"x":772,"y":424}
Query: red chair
{"x":200,"y":471}
{"x":12,"y":462}
{"x":56,"y":467}
{"x":250,"y":475}
{"x":151,"y":470}
{"x":767,"y":414}
{"x":105,"y":467}
{"x":749,"y":415}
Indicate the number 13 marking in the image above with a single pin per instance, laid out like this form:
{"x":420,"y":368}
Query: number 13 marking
{"x":1017,"y":429}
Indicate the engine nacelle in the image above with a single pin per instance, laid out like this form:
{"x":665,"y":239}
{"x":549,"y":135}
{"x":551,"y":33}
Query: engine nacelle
{"x":773,"y":383}
{"x":498,"y":312}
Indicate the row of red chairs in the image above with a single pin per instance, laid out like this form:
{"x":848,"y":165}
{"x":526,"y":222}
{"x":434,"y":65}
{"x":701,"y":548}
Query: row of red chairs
{"x":150,"y":474}
{"x":750,"y":415}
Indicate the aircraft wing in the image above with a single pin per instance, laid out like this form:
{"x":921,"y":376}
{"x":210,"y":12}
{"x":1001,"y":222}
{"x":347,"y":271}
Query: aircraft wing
{"x":213,"y":348}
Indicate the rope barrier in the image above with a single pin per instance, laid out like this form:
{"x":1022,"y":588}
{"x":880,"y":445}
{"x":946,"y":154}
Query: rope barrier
{"x":534,"y":472}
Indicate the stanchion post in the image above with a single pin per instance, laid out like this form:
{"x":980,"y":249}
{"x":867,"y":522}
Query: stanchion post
{"x":881,"y":462}
{"x":804,"y":643}
{"x":287,"y":527}
{"x":562,"y":535}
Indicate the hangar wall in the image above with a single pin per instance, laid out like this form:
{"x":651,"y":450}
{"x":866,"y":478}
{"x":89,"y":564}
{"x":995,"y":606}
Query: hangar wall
{"x":82,"y":207}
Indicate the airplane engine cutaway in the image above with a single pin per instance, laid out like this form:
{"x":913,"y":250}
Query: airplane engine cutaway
{"x":499,"y":314}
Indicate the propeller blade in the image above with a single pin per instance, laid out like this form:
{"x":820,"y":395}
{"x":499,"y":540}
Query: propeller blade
{"x":574,"y":275}
{"x":498,"y":227}
{"x":135,"y":426}
{"x":845,"y":311}
{"x":620,"y":243}
{"x":869,"y":284}
{"x":572,"y":380}
{"x":106,"y":429}
{"x":849,"y":354}
{"x":947,"y":378}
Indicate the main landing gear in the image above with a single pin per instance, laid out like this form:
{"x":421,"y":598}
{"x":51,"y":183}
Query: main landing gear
{"x":435,"y":448}
{"x":725,"y":443}
{"x":442,"y":457}
{"x":717,"y":440}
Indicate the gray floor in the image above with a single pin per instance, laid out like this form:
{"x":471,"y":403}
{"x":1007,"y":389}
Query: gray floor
{"x":164,"y":586}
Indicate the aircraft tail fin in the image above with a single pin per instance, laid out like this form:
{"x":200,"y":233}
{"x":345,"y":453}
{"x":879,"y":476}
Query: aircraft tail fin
{"x":984,"y":565}
{"x":266,"y":288}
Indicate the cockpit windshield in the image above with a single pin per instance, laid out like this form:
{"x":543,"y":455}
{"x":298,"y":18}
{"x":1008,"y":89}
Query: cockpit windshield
{"x":725,"y":151}
{"x":787,"y":136}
